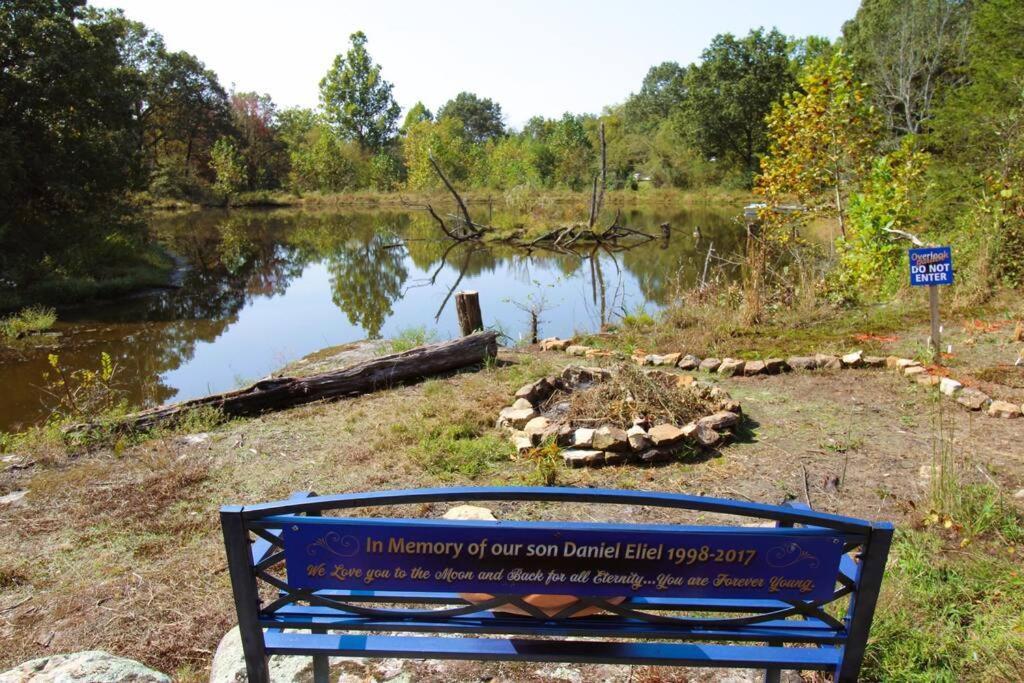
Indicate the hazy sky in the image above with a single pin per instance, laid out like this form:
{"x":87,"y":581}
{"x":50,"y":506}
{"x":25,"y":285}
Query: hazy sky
{"x":533,"y":57}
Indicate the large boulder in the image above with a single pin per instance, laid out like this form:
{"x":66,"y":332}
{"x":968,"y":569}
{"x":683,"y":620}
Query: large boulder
{"x":89,"y":666}
{"x":688,"y":362}
{"x":730,"y":367}
{"x":229,"y":664}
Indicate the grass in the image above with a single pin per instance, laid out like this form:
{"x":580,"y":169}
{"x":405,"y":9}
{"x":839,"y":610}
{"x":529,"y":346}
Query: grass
{"x":947,"y":614}
{"x":31,"y":320}
{"x":410,"y":338}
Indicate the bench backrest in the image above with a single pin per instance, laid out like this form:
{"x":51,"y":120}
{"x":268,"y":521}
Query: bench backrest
{"x":644,"y":580}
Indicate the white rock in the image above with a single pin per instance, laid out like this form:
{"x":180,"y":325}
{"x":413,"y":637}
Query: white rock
{"x":522,"y":404}
{"x":580,"y":458}
{"x":949,"y":386}
{"x":14,"y":497}
{"x":90,"y":666}
{"x":853,"y":359}
{"x":229,"y":664}
{"x":470,"y":512}
{"x":583,"y":438}
{"x":515,"y":417}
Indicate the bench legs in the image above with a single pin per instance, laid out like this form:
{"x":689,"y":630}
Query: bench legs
{"x":321,"y":664}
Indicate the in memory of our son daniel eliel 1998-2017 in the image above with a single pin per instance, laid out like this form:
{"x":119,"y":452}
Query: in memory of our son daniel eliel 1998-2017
{"x":520,"y":558}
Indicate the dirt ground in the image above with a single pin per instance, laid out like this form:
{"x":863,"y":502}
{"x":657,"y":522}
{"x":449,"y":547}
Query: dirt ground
{"x":120,"y":549}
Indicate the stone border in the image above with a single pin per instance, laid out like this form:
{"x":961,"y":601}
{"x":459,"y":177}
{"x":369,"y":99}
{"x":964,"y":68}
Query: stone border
{"x":608,"y":444}
{"x":969,"y":398}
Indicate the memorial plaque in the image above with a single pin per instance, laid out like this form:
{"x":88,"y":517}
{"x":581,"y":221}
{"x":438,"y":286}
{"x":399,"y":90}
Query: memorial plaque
{"x":517,"y":558}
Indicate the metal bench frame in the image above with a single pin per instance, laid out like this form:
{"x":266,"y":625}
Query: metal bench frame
{"x":775,"y":635}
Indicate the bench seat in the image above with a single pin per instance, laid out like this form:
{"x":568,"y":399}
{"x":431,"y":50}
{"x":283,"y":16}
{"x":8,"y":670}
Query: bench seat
{"x":590,"y":652}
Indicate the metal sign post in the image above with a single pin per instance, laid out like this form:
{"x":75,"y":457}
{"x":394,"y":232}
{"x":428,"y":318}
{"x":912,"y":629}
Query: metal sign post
{"x":931,"y":267}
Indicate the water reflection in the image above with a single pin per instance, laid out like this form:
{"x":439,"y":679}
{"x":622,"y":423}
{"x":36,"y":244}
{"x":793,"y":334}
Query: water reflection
{"x":262,"y":288}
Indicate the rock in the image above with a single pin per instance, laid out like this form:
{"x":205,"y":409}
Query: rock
{"x":730,"y":367}
{"x":194,"y":439}
{"x":578,"y":375}
{"x":470,"y":512}
{"x":1004,"y":409}
{"x":655,"y":455}
{"x":972,"y":399}
{"x":638,"y":439}
{"x":14,"y":497}
{"x":609,"y":438}
{"x":688,"y":362}
{"x":583,"y":437}
{"x":229,"y":664}
{"x":89,"y":666}
{"x":828,"y":362}
{"x":647,"y":359}
{"x":949,"y":386}
{"x":536,"y":427}
{"x":522,"y":442}
{"x":522,"y":404}
{"x":802,"y":362}
{"x":702,"y":434}
{"x":904,"y":363}
{"x":720,"y":420}
{"x":753,"y":367}
{"x":581,"y":458}
{"x":536,"y":392}
{"x":576,"y":350}
{"x":613,"y":458}
{"x":927,"y":380}
{"x":665,"y":435}
{"x":709,"y":364}
{"x":854,"y":359}
{"x":561,"y":432}
{"x":912,"y":371}
{"x":683,"y":381}
{"x":555,"y":344}
{"x":730,"y":405}
{"x":515,"y":418}
{"x":874,"y":362}
{"x":1019,"y":495}
{"x":892,"y":362}
{"x":774,"y":366}
{"x":667,"y":359}
{"x":598,"y":353}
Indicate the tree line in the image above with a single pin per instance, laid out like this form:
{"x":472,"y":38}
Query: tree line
{"x":96,"y":112}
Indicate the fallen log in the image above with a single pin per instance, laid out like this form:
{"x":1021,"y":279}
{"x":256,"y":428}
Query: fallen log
{"x":279,"y":393}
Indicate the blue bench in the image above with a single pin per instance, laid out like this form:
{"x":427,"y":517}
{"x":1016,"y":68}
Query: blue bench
{"x":797,"y":595}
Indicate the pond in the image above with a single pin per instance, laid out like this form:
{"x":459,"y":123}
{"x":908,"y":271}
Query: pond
{"x":262,"y":288}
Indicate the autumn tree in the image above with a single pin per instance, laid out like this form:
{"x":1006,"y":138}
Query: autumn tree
{"x":356,"y":100}
{"x":821,"y":139}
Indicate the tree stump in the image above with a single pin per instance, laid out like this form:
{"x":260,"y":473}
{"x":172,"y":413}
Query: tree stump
{"x":467,"y":306}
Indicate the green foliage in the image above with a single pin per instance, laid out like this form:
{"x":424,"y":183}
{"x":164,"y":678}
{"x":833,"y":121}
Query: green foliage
{"x":480,"y":117}
{"x":731,"y":91}
{"x":947,"y":614}
{"x":871,"y":259}
{"x":356,"y":100}
{"x":417,"y":113}
{"x":27,"y":321}
{"x":83,"y":394}
{"x":410,"y":338}
{"x":228,"y":167}
{"x":461,"y":449}
{"x":445,"y":140}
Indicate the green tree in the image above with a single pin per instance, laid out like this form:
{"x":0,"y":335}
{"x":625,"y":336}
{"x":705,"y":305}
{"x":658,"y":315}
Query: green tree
{"x":417,"y":113}
{"x":357,"y":100}
{"x":480,"y":117}
{"x":662,"y":95}
{"x":446,"y":141}
{"x":68,"y":138}
{"x":732,"y":90}
{"x":573,"y":152}
{"x":255,"y":120}
{"x":228,"y":167}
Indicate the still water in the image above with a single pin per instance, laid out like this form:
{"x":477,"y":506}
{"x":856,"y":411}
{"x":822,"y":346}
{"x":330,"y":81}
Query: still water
{"x":262,"y":288}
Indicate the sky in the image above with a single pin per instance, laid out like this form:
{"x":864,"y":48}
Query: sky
{"x":531,"y":56}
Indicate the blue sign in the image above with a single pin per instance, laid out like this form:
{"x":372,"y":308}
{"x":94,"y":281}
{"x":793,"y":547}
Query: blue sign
{"x":519,"y":558}
{"x":931,"y":266}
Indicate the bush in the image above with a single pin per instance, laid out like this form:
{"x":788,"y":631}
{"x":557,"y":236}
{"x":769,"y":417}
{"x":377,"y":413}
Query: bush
{"x":28,"y":321}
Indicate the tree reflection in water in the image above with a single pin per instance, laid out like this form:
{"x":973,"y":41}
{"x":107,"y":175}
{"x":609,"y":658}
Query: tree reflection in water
{"x":382,"y":270}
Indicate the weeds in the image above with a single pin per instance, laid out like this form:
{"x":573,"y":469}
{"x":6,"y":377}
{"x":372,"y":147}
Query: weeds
{"x":31,"y":320}
{"x":547,"y":464}
{"x":410,"y":338}
{"x":461,"y":449}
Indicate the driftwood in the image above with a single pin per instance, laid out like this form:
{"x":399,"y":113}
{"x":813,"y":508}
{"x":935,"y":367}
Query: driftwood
{"x":560,"y":239}
{"x":279,"y":393}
